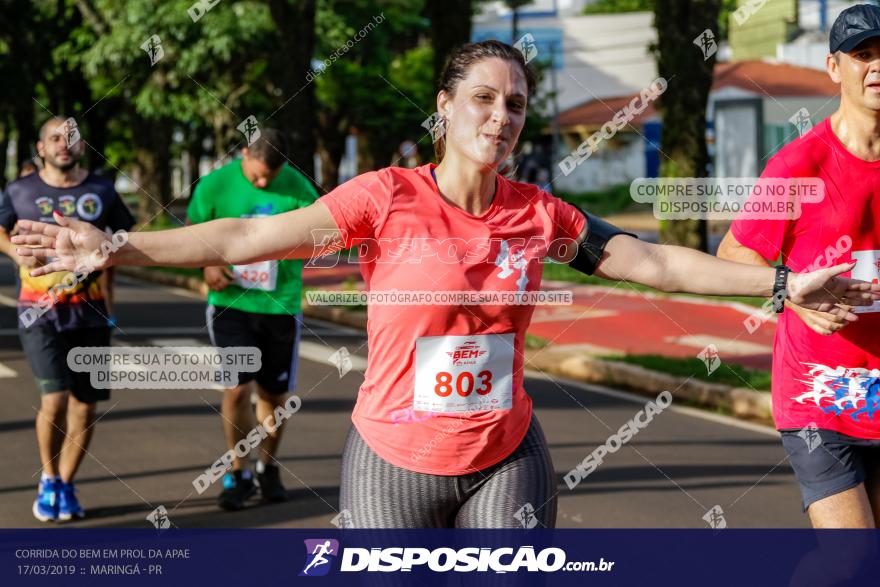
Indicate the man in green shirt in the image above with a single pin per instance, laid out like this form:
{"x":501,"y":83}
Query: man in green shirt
{"x":255,"y":305}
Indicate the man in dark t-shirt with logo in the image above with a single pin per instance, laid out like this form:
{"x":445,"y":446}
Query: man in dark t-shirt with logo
{"x":61,"y":311}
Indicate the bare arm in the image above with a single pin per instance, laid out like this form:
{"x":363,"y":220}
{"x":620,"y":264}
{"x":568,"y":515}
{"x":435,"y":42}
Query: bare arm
{"x":6,"y":246}
{"x":731,"y":250}
{"x":679,"y":269}
{"x":8,"y":249}
{"x":292,"y":235}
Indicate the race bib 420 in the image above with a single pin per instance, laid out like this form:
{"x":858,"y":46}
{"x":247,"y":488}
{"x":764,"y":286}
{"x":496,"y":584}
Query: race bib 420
{"x":260,"y":275}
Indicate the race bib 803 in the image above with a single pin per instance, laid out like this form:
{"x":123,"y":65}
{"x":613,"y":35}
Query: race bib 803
{"x":464,"y":373}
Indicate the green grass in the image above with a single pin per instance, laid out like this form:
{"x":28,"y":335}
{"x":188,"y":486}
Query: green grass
{"x":618,"y":6}
{"x":560,"y":272}
{"x":536,"y":342}
{"x":351,"y":284}
{"x":188,"y":271}
{"x":726,"y":373}
{"x":604,"y":202}
{"x":162,"y":221}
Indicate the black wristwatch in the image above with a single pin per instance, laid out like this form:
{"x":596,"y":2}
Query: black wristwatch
{"x":780,"y":288}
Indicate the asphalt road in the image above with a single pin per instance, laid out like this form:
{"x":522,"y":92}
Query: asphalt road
{"x":150,"y":445}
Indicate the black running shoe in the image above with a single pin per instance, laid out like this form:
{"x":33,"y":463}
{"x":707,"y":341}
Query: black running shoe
{"x":238,"y":486}
{"x":270,"y":485}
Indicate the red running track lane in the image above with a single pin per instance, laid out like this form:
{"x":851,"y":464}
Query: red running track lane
{"x":627,"y":322}
{"x":634,"y":323}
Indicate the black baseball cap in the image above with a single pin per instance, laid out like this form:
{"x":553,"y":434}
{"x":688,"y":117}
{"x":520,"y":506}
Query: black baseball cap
{"x":854,"y":25}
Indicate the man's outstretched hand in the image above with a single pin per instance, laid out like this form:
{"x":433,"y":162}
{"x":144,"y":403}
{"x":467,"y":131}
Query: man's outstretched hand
{"x":822,"y":290}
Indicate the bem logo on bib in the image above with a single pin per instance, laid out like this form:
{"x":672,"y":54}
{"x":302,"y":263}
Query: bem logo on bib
{"x":469,"y":350}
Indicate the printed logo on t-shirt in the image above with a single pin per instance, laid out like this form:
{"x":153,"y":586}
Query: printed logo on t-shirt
{"x":45,"y":205}
{"x":511,"y":261}
{"x":842,"y":391}
{"x":89,"y":207}
{"x":67,"y":205}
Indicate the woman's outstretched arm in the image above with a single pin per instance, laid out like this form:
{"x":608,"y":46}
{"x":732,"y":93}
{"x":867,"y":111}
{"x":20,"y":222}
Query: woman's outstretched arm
{"x":679,"y":269}
{"x":73,"y":244}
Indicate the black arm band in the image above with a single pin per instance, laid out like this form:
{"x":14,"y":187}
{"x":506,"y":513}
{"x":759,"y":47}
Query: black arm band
{"x":589,"y":252}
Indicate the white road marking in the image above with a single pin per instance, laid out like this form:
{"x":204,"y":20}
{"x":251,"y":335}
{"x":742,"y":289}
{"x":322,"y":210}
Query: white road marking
{"x":177,"y":342}
{"x":641,"y":399}
{"x":320,"y":353}
{"x":7,"y":301}
{"x":6,"y":372}
{"x":727,"y":346}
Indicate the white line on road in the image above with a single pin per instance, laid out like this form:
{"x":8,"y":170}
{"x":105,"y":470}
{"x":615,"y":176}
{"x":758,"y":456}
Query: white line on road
{"x":320,"y":353}
{"x":6,"y":372}
{"x":7,"y":301}
{"x":641,"y":399}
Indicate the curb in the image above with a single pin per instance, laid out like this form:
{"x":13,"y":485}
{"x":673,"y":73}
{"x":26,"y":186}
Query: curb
{"x":743,"y":403}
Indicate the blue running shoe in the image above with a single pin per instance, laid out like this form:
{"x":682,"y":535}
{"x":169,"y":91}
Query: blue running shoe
{"x":68,"y":504}
{"x":46,"y":505}
{"x":238,"y":487}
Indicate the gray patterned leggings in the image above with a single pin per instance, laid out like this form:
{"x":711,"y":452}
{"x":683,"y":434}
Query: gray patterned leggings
{"x":518,"y":492}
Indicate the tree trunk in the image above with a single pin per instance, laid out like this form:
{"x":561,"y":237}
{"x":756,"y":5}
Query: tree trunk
{"x":97,"y":133}
{"x":332,"y":130}
{"x":26,"y":140}
{"x":4,"y":143}
{"x":683,"y":105}
{"x":295,"y":21}
{"x":195,"y":151}
{"x":450,"y":27}
{"x":152,"y":140}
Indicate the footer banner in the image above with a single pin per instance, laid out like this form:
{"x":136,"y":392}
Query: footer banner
{"x":202,"y":558}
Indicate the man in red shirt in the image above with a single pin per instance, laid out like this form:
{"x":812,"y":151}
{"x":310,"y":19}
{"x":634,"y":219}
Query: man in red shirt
{"x":826,"y":378}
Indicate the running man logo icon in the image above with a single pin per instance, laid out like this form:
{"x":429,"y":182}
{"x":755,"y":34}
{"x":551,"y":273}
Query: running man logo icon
{"x":159,"y":518}
{"x":710,"y":358}
{"x":706,"y":43}
{"x":526,"y":516}
{"x":153,"y":48}
{"x":343,"y":520}
{"x":436,"y":125}
{"x":526,"y":45}
{"x":811,"y":436}
{"x":70,"y":130}
{"x":342,"y":360}
{"x":715,"y":518}
{"x":249,"y":129}
{"x":801,"y":121}
{"x":317,"y":553}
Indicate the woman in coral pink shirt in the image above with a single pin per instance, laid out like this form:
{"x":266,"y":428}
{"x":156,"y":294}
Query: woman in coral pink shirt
{"x":444,"y":434}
